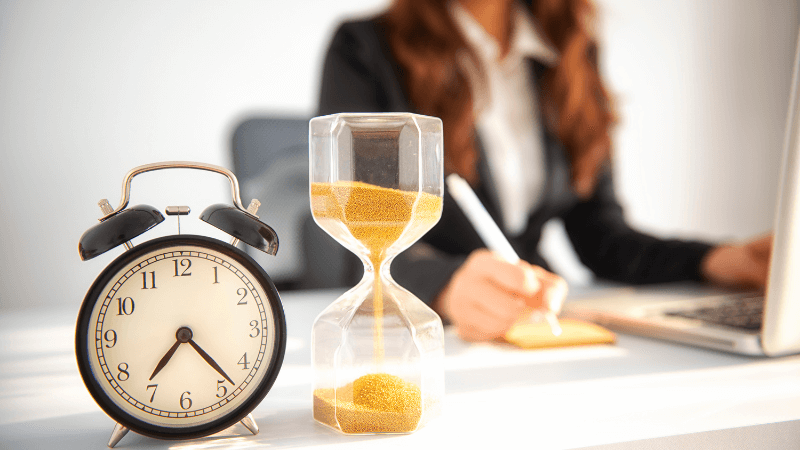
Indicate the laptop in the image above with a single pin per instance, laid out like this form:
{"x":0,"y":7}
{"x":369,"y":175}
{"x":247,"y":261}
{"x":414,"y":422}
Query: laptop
{"x":747,"y":323}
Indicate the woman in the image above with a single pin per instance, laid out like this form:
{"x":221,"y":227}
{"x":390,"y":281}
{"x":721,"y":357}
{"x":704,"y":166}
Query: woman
{"x":527,"y":121}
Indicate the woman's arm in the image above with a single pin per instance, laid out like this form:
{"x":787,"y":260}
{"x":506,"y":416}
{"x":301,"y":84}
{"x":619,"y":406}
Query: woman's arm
{"x":611,"y":249}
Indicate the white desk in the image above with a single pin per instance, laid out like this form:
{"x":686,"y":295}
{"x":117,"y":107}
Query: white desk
{"x":638,"y":393}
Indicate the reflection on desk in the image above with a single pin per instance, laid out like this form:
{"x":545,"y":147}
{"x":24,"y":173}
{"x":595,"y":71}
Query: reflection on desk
{"x":638,"y":393}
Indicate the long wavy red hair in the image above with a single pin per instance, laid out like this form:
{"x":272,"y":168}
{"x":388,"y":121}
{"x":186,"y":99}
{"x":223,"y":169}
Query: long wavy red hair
{"x":575,"y":104}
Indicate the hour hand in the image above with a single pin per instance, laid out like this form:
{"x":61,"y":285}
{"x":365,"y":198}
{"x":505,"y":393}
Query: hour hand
{"x":183,"y":334}
{"x":165,"y":359}
{"x":210,"y":361}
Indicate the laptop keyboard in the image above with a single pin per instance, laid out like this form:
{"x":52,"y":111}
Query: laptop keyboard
{"x":739,"y":312}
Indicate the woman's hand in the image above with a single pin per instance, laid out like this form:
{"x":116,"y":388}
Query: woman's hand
{"x":486,"y":295}
{"x":739,"y":265}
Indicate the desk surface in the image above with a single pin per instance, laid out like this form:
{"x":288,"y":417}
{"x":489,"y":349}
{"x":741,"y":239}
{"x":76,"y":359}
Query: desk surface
{"x":638,"y":393}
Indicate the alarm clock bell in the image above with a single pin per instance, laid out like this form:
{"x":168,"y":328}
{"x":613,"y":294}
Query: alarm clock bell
{"x":117,"y":229}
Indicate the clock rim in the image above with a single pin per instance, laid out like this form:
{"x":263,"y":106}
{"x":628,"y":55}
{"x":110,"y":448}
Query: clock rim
{"x":223,"y":422}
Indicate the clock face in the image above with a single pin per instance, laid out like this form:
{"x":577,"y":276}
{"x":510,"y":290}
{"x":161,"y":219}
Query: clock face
{"x":181,"y":336}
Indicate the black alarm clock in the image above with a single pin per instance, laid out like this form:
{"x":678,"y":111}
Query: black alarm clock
{"x":181,"y":336}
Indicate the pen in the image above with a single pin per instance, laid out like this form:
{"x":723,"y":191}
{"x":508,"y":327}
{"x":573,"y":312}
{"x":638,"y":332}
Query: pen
{"x":488,"y":230}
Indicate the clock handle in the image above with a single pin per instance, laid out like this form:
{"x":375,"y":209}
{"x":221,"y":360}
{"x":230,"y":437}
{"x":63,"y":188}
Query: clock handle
{"x":126,"y":184}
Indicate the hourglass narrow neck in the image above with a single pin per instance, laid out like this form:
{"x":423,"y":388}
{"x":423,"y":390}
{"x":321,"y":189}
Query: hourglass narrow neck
{"x":376,"y":267}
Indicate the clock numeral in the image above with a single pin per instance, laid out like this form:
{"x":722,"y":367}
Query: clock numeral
{"x":152,"y":280}
{"x":216,"y":280}
{"x":123,"y":372}
{"x":185,"y":264}
{"x":125,"y":306}
{"x":243,"y":361}
{"x":224,"y":389}
{"x":186,"y":402}
{"x":256,"y":330}
{"x":154,"y":386}
{"x":110,"y":336}
{"x":243,"y":293}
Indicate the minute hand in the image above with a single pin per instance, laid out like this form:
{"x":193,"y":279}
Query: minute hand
{"x":210,"y":361}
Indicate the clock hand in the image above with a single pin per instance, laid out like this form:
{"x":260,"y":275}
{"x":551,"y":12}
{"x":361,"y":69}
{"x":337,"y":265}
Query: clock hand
{"x":210,"y":361}
{"x":184,"y":334}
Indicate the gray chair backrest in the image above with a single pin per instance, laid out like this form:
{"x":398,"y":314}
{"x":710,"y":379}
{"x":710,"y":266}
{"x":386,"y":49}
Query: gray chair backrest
{"x":270,"y":159}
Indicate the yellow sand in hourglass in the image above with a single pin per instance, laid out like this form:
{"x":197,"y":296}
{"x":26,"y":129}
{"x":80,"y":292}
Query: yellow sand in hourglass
{"x":376,"y":217}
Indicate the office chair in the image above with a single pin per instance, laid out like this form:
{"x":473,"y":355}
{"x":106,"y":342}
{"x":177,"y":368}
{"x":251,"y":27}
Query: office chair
{"x":270,"y":159}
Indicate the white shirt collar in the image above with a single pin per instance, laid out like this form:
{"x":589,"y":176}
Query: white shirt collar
{"x":525,"y":41}
{"x":505,"y":108}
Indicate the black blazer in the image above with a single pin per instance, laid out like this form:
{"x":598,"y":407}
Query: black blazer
{"x":360,"y":75}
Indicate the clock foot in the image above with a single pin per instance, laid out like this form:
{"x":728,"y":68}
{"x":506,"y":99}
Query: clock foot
{"x":250,"y":424}
{"x":117,"y":435}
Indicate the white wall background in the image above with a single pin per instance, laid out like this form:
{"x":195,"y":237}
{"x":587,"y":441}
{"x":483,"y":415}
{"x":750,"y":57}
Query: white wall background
{"x":91,"y":89}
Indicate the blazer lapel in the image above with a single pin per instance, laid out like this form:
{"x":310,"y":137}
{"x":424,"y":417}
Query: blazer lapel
{"x":557,"y":166}
{"x":487,"y":190}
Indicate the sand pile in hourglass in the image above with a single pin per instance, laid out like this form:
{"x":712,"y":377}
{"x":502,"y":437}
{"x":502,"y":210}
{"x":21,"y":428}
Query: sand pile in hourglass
{"x":377,"y":217}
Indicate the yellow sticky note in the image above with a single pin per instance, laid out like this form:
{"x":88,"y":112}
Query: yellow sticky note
{"x":574,"y":332}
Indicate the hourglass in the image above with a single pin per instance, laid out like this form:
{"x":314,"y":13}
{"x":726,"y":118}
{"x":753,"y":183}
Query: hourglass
{"x":377,"y":351}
